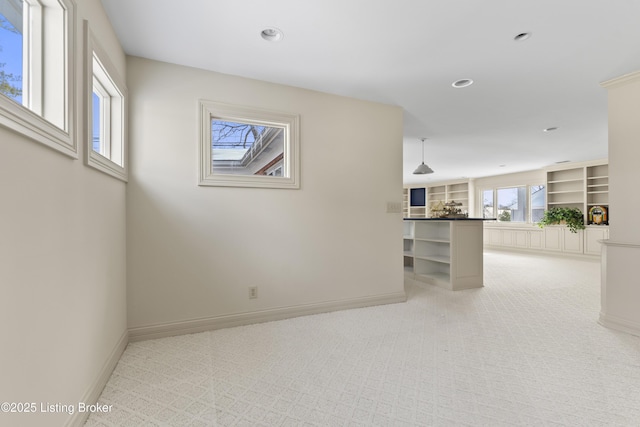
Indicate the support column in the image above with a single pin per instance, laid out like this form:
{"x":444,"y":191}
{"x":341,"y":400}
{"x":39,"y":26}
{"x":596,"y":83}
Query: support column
{"x":620,"y":307}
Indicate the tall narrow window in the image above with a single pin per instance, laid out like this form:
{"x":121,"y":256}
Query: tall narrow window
{"x":487,"y":204}
{"x":106,"y":137}
{"x":96,"y":122}
{"x":538,"y":202}
{"x":11,"y":40}
{"x":36,"y":71}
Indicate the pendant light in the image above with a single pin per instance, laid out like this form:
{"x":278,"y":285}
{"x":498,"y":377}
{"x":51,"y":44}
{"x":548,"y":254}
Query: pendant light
{"x":422,"y":169}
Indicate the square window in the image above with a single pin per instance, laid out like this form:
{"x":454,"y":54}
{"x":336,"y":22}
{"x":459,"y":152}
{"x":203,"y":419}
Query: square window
{"x":248,"y":147}
{"x":487,"y":204}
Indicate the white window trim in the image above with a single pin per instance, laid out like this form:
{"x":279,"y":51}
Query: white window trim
{"x":46,"y":103}
{"x":494,"y":191}
{"x":114,"y":114}
{"x":289,"y":122}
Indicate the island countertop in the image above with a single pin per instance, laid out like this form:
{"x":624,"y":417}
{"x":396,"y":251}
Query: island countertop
{"x":449,"y":219}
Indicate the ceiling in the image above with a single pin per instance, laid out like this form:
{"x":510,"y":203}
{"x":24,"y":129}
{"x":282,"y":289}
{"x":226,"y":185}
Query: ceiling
{"x":408,"y":53}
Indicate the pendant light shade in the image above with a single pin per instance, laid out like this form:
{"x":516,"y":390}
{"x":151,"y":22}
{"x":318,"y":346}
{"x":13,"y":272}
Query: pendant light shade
{"x":422,"y":169}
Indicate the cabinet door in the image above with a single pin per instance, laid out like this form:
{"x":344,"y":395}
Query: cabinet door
{"x":520,"y":239}
{"x":508,"y":238}
{"x":536,"y":239}
{"x":572,"y":242}
{"x":552,"y":239}
{"x":495,"y":237}
{"x":591,"y":237}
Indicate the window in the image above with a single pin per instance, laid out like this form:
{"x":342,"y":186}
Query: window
{"x":487,"y":204}
{"x":514,"y":204}
{"x":11,"y":17}
{"x":248,"y":147}
{"x":538,"y":202}
{"x":37,"y":35}
{"x":106,"y":143}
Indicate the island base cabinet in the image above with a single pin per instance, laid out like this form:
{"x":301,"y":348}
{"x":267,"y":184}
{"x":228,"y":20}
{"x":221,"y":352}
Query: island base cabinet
{"x":432,"y":272}
{"x":467,"y":270}
{"x":447,"y":254}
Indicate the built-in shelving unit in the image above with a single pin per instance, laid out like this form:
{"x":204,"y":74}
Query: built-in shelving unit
{"x":598,"y":185}
{"x":460,"y":192}
{"x":444,"y":253}
{"x":435,"y":195}
{"x":565,"y":188}
{"x":405,"y":203}
{"x":579,"y":187}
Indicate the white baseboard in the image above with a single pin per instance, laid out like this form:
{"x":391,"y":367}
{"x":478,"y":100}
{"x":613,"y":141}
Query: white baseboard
{"x":619,"y":324}
{"x":92,"y":394}
{"x":230,"y":320}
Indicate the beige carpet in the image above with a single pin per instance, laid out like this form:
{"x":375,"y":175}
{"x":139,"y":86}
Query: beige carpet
{"x":525,"y":350}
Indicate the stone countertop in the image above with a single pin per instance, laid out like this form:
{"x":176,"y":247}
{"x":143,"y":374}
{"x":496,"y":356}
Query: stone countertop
{"x":449,"y":219}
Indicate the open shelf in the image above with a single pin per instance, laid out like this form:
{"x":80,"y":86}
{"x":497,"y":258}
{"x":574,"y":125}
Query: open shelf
{"x":435,"y":258}
{"x":445,"y":253}
{"x":578,"y":187}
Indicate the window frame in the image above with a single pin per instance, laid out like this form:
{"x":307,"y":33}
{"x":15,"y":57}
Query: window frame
{"x":544,"y":203}
{"x":99,"y":71}
{"x":51,"y":96}
{"x":494,"y":191}
{"x":228,"y":112}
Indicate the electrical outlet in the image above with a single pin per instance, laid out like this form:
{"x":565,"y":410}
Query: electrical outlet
{"x":253,"y":292}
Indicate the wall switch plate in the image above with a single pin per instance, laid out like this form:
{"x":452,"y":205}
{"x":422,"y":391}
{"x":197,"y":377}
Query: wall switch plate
{"x":253,"y":292}
{"x":394,"y":207}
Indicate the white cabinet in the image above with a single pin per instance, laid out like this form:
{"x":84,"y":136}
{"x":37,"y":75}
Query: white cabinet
{"x":536,"y":239}
{"x":495,"y":237}
{"x":592,"y":235}
{"x":445,"y":253}
{"x":511,"y":237}
{"x":572,"y":242}
{"x":515,"y":238}
{"x":553,"y":239}
{"x":561,"y":239}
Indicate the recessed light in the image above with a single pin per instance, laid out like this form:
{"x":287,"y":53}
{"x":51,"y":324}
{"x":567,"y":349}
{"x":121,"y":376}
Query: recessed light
{"x":550,"y":129}
{"x":462,"y":83}
{"x":522,"y":37}
{"x":501,"y":166}
{"x":271,"y":34}
{"x":563,"y":161}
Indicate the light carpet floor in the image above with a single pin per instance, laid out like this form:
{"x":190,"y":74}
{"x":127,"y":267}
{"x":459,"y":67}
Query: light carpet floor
{"x":525,"y":350}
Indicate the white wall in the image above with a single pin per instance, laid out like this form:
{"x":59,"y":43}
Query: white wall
{"x":194,"y":251}
{"x":62,"y":265}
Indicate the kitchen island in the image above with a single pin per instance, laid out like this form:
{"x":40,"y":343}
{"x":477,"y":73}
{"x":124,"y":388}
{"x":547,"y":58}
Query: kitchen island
{"x":445,"y":252}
